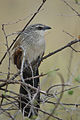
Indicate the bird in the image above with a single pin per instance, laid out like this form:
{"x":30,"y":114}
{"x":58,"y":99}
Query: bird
{"x":27,"y":54}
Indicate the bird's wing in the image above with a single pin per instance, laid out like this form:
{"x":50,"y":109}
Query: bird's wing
{"x":17,"y":53}
{"x":17,"y":57}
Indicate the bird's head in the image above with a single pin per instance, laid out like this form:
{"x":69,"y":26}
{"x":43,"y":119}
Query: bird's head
{"x":39,"y":28}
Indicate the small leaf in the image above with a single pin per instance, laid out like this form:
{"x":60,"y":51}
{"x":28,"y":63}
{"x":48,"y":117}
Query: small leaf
{"x":7,"y":93}
{"x":33,"y":117}
{"x":70,"y":92}
{"x":27,"y":119}
{"x":76,"y":1}
{"x":52,"y":72}
{"x":77,"y":78}
{"x":4,"y":93}
{"x":34,"y":102}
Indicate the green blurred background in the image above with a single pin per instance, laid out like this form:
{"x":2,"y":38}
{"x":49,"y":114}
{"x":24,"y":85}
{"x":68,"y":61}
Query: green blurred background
{"x":60,"y":17}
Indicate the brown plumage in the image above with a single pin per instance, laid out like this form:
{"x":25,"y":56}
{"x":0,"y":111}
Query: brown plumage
{"x":17,"y":57}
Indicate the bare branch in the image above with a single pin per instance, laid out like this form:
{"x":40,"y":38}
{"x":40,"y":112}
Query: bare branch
{"x":78,"y":14}
{"x":23,"y":30}
{"x":62,"y":48}
{"x":58,"y":101}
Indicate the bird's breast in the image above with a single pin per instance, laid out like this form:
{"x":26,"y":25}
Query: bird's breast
{"x":34,"y":50}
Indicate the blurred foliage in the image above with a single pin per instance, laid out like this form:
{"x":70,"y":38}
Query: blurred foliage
{"x":76,"y":1}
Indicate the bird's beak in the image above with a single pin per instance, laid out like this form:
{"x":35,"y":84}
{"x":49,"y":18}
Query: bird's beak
{"x":46,"y":28}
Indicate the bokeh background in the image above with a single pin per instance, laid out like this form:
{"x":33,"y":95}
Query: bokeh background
{"x":60,"y":17}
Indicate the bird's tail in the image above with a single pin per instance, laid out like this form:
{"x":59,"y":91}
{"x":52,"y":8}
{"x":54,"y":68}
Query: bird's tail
{"x":29,"y":102}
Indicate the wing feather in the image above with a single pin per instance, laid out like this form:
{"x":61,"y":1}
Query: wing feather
{"x":17,"y":57}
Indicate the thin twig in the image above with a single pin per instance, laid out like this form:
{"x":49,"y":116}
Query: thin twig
{"x":58,"y":101}
{"x":78,"y":14}
{"x":62,"y":48}
{"x":8,"y":75}
{"x":23,"y":29}
{"x":67,"y":104}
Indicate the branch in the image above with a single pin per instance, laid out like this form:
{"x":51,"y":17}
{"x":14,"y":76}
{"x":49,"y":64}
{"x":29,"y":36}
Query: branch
{"x":78,"y":14}
{"x":23,"y":30}
{"x":66,"y":104}
{"x":8,"y":75}
{"x":62,"y":48}
{"x":59,"y":99}
{"x":49,"y":114}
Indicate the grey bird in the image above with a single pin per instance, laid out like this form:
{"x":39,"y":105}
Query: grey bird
{"x":27,"y":54}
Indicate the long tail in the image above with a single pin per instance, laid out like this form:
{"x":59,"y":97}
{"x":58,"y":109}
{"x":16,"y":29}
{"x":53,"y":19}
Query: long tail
{"x":30,"y":103}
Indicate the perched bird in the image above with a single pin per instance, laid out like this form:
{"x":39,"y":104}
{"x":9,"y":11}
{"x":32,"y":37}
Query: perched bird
{"x":27,"y":54}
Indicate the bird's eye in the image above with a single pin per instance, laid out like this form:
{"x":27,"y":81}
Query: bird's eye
{"x":40,"y":28}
